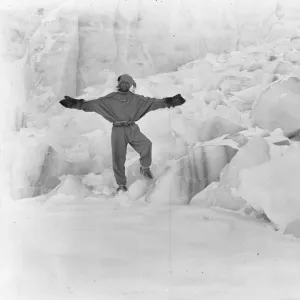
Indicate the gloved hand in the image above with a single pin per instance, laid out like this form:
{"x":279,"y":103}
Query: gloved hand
{"x":175,"y":101}
{"x":70,"y":102}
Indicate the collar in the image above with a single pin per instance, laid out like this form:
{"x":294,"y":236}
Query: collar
{"x":123,"y":93}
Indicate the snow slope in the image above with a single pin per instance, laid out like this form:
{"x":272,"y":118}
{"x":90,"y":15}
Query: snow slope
{"x":95,"y":249}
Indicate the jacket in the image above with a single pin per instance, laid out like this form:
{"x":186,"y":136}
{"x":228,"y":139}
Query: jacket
{"x":122,"y":106}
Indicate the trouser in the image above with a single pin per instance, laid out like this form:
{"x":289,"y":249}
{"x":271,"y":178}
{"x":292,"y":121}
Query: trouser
{"x":120,"y":138}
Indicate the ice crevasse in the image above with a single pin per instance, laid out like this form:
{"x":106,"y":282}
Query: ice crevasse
{"x":227,"y":147}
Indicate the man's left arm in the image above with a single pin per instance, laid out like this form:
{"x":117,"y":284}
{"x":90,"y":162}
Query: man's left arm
{"x":150,"y":104}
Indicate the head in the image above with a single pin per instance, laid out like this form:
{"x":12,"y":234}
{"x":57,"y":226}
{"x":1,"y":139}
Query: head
{"x":126,"y":83}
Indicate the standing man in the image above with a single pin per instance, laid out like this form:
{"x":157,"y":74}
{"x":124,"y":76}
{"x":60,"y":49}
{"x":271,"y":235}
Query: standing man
{"x":123,"y":108}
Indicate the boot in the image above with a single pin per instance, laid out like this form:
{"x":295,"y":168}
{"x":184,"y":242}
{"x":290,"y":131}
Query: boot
{"x":146,"y":172}
{"x":122,"y":188}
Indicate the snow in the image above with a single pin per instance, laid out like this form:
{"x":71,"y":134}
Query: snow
{"x":277,"y":106}
{"x":265,"y":187}
{"x":91,"y":249}
{"x":255,"y":152}
{"x":222,"y":220}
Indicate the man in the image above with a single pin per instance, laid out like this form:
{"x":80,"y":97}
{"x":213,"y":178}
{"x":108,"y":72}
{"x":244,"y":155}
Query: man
{"x":123,"y":108}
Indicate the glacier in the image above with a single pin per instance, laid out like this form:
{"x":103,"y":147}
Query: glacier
{"x":224,"y":216}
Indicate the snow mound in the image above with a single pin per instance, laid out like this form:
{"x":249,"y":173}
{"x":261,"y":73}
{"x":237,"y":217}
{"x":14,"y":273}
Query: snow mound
{"x":223,"y":193}
{"x":273,"y":187}
{"x":72,"y":186}
{"x":278,"y":106}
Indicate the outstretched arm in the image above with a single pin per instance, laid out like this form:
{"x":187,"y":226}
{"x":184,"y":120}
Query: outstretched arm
{"x":148,"y":104}
{"x":98,"y":106}
{"x":89,"y":106}
{"x":152,"y":103}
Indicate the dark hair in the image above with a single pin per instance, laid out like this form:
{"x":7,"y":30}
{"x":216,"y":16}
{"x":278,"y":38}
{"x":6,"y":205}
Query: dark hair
{"x":123,"y":86}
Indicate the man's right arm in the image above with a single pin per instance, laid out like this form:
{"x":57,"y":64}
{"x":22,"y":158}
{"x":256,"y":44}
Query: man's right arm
{"x":89,"y":106}
{"x":97,"y":105}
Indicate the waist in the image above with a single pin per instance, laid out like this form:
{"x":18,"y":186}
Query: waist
{"x":123,"y":124}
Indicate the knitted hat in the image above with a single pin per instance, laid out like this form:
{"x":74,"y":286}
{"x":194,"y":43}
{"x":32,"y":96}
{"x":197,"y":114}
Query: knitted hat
{"x":127,"y":78}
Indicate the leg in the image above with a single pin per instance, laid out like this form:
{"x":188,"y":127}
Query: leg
{"x":119,"y":147}
{"x":143,"y":146}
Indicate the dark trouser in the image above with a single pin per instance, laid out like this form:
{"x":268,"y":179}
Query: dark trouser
{"x":120,"y":138}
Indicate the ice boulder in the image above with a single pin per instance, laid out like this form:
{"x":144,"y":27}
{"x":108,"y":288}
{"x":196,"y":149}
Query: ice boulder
{"x":184,"y":128}
{"x":278,"y":106}
{"x":216,"y":195}
{"x":284,"y":68}
{"x":251,"y":66}
{"x":293,"y":228}
{"x":24,"y":155}
{"x":64,"y":134}
{"x":162,"y":86}
{"x":156,"y":123}
{"x":255,"y":152}
{"x":191,"y":174}
{"x":216,"y":127}
{"x":229,"y":113}
{"x":223,"y":193}
{"x":101,"y":183}
{"x":73,"y":153}
{"x":273,"y":187}
{"x":244,"y":99}
{"x":237,"y":82}
{"x":55,"y":165}
{"x":99,"y":143}
{"x":83,"y":122}
{"x":212,"y":96}
{"x":72,"y":186}
{"x":71,"y":148}
{"x":240,"y":139}
{"x":166,"y":147}
{"x":294,"y":57}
